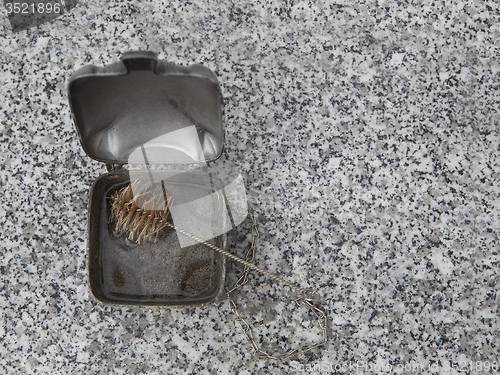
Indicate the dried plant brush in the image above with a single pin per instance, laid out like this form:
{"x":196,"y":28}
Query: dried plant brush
{"x":139,"y":214}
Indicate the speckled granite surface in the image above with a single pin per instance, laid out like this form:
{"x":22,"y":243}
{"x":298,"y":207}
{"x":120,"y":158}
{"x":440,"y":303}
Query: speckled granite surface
{"x":368,"y":136}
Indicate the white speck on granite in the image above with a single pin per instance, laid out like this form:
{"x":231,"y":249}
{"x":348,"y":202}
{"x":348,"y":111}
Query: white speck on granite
{"x":367,"y":134}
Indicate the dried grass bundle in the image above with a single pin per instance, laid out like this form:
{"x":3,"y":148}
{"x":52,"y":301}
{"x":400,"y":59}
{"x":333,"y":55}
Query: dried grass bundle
{"x":141,"y":215}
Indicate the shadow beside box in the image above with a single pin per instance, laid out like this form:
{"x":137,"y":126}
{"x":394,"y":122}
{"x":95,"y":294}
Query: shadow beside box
{"x":159,"y":124}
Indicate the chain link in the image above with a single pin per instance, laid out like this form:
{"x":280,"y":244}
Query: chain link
{"x":307,"y":296}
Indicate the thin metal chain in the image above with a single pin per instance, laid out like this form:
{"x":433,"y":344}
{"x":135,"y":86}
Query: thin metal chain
{"x":307,"y":297}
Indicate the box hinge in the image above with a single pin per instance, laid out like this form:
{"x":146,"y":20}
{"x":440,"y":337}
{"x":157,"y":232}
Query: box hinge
{"x":114,"y":167}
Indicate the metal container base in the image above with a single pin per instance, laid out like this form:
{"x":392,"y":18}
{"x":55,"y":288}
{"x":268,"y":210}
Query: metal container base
{"x":154,"y":272}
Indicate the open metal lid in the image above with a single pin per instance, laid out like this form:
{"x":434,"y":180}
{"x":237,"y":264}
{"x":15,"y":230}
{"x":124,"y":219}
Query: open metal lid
{"x":144,"y":111}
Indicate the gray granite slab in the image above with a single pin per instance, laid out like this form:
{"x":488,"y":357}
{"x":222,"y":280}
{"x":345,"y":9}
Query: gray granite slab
{"x":367,"y":133}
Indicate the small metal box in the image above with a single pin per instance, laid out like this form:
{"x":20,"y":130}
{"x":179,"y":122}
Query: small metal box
{"x":157,"y":123}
